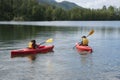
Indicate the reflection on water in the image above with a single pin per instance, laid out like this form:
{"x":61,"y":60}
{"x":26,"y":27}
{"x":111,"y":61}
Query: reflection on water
{"x":86,"y":59}
{"x":31,"y":57}
{"x":8,"y":32}
{"x":65,"y":63}
{"x":106,"y":31}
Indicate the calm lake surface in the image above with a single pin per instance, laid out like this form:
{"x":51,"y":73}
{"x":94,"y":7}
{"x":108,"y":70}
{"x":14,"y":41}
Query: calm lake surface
{"x":65,"y":63}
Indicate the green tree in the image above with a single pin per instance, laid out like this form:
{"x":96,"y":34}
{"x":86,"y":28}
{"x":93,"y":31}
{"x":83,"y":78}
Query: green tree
{"x":59,"y":14}
{"x":49,"y":13}
{"x":6,"y":11}
{"x":38,"y":13}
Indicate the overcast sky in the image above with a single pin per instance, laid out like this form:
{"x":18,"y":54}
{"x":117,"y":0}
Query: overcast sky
{"x":95,"y":3}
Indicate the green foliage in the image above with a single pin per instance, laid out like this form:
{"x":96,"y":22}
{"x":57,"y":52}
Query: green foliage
{"x":31,"y":10}
{"x":6,"y":10}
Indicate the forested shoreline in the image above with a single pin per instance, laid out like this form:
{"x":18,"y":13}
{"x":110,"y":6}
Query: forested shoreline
{"x":31,"y":10}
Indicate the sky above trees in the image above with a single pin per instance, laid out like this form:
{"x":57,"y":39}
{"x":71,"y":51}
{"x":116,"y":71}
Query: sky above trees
{"x":95,"y":3}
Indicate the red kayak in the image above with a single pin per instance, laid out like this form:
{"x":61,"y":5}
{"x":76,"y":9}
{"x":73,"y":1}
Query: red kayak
{"x":83,"y":49}
{"x":27,"y":51}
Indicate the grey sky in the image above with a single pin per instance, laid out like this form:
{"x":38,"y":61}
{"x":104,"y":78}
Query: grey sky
{"x":95,"y":3}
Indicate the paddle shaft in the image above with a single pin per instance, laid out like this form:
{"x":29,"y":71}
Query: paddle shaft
{"x":47,"y":41}
{"x":42,"y":43}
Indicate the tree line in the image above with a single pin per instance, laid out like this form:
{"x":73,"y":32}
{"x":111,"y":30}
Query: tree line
{"x":31,"y":10}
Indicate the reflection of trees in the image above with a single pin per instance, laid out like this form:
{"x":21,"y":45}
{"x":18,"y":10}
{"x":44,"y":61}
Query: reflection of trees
{"x":23,"y":32}
{"x":16,"y":32}
{"x":108,"y":31}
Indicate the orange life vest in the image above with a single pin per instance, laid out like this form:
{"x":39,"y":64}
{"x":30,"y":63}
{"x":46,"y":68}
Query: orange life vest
{"x":30,"y":45}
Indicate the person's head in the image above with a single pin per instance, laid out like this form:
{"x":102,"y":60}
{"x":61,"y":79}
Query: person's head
{"x":33,"y":41}
{"x":83,"y":36}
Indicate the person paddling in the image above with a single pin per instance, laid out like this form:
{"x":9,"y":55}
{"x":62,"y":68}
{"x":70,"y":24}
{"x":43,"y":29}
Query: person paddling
{"x":84,"y":41}
{"x":32,"y":44}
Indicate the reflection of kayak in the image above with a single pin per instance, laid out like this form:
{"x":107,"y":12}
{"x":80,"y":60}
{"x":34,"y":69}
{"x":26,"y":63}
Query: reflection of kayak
{"x":27,"y":51}
{"x":83,"y":49}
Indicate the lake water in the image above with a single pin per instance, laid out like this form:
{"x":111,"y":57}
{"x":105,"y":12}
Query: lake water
{"x":65,"y":63}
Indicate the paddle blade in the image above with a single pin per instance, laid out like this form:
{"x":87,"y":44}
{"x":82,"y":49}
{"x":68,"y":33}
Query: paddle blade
{"x":49,"y":40}
{"x":91,"y":32}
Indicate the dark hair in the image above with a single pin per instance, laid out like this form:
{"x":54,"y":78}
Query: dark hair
{"x":33,"y":41}
{"x":83,"y":36}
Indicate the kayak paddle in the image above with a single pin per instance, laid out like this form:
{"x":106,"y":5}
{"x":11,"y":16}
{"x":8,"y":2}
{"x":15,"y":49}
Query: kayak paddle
{"x":90,"y":33}
{"x":47,"y":41}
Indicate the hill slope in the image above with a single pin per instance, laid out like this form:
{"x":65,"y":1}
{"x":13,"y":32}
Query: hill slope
{"x":65,"y":4}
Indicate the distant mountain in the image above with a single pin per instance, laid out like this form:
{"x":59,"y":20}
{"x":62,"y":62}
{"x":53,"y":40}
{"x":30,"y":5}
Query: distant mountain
{"x":65,"y":4}
{"x":47,"y":1}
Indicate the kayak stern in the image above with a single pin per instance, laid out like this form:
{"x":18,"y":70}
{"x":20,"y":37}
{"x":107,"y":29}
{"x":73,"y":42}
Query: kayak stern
{"x":83,"y":49}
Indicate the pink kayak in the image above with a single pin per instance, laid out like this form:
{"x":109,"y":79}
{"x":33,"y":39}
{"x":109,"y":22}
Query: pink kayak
{"x":27,"y":51}
{"x":83,"y":49}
